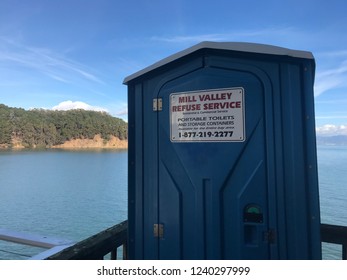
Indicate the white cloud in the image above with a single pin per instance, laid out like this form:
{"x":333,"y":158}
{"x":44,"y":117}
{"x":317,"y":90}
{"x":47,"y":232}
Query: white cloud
{"x":119,"y":110}
{"x":122,"y":112}
{"x":192,"y":38}
{"x":45,"y":61}
{"x":71,"y":105}
{"x":256,"y":35}
{"x":331,"y":79}
{"x":331,"y":129}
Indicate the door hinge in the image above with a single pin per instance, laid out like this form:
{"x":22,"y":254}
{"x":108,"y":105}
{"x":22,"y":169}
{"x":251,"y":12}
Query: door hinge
{"x":158,"y":230}
{"x":270,"y":236}
{"x":157,"y":104}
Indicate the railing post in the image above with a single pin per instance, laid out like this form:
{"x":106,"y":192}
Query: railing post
{"x":125,"y":251}
{"x":114,"y":254}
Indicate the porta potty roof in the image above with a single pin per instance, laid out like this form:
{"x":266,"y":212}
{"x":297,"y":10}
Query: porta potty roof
{"x":229,"y":46}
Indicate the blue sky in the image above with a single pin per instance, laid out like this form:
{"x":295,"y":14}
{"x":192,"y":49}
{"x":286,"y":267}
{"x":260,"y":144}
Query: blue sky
{"x":65,"y":53}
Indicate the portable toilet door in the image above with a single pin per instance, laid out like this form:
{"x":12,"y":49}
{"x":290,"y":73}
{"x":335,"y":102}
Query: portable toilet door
{"x":222,"y":161}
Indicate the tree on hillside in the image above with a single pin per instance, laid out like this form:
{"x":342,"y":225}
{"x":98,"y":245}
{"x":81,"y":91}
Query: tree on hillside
{"x":45,"y":128}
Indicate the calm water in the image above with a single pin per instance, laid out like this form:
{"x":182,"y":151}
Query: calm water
{"x":332,"y":170}
{"x":65,"y":194}
{"x":75,"y":194}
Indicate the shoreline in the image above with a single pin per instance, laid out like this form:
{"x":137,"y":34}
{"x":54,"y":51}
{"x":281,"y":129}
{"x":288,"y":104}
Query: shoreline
{"x":97,"y":142}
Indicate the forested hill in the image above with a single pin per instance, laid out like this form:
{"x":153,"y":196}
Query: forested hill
{"x":46,"y":128}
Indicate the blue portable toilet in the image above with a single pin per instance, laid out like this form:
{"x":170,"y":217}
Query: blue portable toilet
{"x":222,"y":155}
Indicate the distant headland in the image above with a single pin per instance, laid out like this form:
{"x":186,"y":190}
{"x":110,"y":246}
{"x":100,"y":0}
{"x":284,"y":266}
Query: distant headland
{"x":73,"y":129}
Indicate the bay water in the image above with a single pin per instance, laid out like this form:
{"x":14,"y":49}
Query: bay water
{"x":75,"y":194}
{"x":69,"y":195}
{"x":332,"y":172}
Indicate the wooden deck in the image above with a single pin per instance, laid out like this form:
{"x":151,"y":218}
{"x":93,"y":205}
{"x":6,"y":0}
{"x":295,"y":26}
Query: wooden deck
{"x":112,"y":243}
{"x":116,"y":236}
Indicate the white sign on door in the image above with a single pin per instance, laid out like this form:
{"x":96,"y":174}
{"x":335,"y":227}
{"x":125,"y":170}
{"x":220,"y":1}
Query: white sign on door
{"x":208,"y":116}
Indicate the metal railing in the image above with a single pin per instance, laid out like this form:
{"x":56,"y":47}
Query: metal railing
{"x":51,"y":245}
{"x":109,"y":241}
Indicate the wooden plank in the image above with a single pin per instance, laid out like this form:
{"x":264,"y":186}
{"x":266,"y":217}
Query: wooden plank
{"x":334,"y":234}
{"x":96,"y":246}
